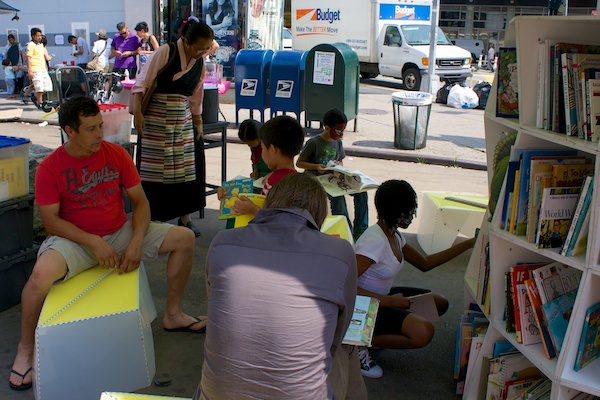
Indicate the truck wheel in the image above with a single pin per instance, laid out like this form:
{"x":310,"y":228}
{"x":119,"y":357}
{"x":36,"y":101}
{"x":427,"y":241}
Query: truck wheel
{"x":412,"y":79}
{"x":368,"y":75}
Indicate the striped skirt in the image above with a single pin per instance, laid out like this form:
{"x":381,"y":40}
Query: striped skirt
{"x":171,"y":162}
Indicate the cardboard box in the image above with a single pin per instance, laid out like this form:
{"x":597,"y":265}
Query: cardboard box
{"x":94,"y":334}
{"x":14,"y":167}
{"x":14,"y":272}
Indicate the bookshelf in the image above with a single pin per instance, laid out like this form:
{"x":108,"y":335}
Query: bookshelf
{"x":525,"y":33}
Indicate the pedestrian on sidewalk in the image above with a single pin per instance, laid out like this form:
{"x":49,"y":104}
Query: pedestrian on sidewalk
{"x":37,"y":67}
{"x":491,"y":57}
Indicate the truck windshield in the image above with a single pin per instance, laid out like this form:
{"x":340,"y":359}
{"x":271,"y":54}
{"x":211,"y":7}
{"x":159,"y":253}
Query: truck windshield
{"x":419,"y":35}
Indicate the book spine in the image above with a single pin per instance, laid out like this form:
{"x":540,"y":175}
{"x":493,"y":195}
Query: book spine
{"x":536,"y":305}
{"x":583,"y":194}
{"x":569,"y":95}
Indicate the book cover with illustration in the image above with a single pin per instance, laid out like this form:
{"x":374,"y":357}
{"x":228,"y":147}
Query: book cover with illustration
{"x":362,"y":324}
{"x":538,"y":313}
{"x":341,"y":181}
{"x":234,"y":188}
{"x":507,"y":104}
{"x":554,"y":280}
{"x":558,"y":313}
{"x":589,"y":344}
{"x":556,"y":211}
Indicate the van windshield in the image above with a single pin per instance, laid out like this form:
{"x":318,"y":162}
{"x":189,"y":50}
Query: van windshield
{"x":419,"y":35}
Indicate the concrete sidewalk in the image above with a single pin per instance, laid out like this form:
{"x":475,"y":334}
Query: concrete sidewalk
{"x":408,"y":374}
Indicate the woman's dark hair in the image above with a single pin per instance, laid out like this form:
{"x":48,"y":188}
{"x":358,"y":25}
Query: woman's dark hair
{"x":334,"y":117}
{"x":194,"y":30}
{"x":44,"y":40}
{"x":71,"y":109}
{"x":141,"y":26}
{"x":227,"y":8}
{"x":249,"y":129}
{"x":285,"y":133}
{"x":394,"y":198}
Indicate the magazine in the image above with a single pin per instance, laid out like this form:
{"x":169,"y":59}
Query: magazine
{"x":362,"y":324}
{"x":342,"y":181}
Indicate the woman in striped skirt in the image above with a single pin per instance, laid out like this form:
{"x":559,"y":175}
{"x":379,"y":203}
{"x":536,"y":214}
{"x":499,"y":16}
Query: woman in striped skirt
{"x":170,"y":153}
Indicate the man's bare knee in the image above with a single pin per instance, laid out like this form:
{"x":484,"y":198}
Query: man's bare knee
{"x":49,"y":268}
{"x":178,"y":239}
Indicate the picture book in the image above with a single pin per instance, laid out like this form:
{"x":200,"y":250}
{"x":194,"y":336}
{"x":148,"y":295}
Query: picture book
{"x":581,"y":209}
{"x":519,"y":274}
{"x":505,"y":368}
{"x":594,"y":100}
{"x":512,"y":225}
{"x":464,"y":343}
{"x":524,"y":184}
{"x":556,"y":211}
{"x":234,"y":188}
{"x":513,"y":166}
{"x":507,"y":104}
{"x":514,"y":389}
{"x":360,"y":330}
{"x":541,"y":168}
{"x":424,"y":306}
{"x":342,"y":181}
{"x":589,"y":344}
{"x":539,"y":390}
{"x":554,"y":280}
{"x":579,"y":246}
{"x":510,"y":309}
{"x":530,"y":333}
{"x":558,"y":313}
{"x":538,"y":313}
{"x":476,"y":344}
{"x":569,"y":175}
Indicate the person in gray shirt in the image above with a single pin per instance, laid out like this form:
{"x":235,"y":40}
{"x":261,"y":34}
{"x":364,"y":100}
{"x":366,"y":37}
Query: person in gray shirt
{"x":281,"y":295}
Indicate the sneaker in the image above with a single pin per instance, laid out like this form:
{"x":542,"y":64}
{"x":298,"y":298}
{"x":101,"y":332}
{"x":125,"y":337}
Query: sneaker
{"x":368,"y":367}
{"x":191,"y":226}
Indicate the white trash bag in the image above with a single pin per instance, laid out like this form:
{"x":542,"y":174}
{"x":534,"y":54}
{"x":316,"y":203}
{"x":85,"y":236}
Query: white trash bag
{"x":462,"y":97}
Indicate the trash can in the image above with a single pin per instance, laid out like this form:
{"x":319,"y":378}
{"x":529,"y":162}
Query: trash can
{"x":411,"y":117}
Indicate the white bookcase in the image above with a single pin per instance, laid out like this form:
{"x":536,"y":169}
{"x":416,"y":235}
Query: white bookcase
{"x":525,"y":33}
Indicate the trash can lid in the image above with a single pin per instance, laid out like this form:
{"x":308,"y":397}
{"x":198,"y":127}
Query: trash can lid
{"x":412,"y":98}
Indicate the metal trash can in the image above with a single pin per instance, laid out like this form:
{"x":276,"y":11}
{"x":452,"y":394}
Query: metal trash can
{"x":411,"y":118}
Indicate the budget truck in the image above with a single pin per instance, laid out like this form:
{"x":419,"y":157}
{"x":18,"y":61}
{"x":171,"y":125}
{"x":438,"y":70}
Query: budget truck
{"x":391,"y":39}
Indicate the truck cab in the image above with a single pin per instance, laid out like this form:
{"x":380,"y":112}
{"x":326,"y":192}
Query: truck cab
{"x":404,"y":52}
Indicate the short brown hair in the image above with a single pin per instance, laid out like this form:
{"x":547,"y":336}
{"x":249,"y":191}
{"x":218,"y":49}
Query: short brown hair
{"x":299,"y":190}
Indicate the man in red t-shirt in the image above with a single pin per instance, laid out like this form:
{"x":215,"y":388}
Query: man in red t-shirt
{"x":79,"y":191}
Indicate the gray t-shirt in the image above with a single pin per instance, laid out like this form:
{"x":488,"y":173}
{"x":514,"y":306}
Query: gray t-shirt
{"x":280,"y":295}
{"x":318,"y":150}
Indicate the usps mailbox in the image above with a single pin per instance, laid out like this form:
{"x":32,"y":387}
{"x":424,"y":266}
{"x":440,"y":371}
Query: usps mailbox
{"x":332,"y":80}
{"x":252,"y":70}
{"x":287,"y":82}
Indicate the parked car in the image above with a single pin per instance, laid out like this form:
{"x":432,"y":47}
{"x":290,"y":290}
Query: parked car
{"x":287,"y":39}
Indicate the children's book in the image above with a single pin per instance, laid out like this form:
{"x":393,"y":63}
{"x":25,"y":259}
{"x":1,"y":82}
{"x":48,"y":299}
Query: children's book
{"x":520,"y":273}
{"x":507,"y":104}
{"x":464,"y":345}
{"x":594,"y":100}
{"x":234,"y":188}
{"x":589,"y":344}
{"x":581,"y":209}
{"x":556,"y":211}
{"x":579,"y":246}
{"x":513,"y":166}
{"x":510,"y":309}
{"x":558,"y":313}
{"x":554,"y":280}
{"x":536,"y":306}
{"x":424,"y":306}
{"x":342,"y":181}
{"x":512,"y":225}
{"x":362,"y":324}
{"x":524,"y":184}
{"x":569,"y":175}
{"x":585,"y":64}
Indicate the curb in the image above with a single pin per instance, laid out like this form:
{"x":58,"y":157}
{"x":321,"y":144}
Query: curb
{"x":358,"y":151}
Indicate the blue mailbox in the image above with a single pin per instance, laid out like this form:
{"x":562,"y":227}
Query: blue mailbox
{"x":252,"y":70}
{"x":287,"y":82}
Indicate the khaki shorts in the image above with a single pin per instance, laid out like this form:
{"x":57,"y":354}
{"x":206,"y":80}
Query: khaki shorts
{"x":79,"y":258}
{"x":41,"y":82}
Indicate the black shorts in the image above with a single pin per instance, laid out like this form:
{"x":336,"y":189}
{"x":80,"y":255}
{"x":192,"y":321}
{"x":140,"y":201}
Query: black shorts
{"x":390,"y":319}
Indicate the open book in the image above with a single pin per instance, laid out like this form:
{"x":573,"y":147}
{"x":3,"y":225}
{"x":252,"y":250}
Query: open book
{"x":424,"y":306}
{"x":235,"y":188}
{"x":342,"y":181}
{"x":362,"y":324}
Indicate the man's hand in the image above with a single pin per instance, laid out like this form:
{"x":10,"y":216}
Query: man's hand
{"x":105,"y":254}
{"x":130,"y":259}
{"x":399,"y":301}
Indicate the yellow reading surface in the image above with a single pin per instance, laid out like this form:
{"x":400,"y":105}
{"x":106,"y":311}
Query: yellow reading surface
{"x":441,"y":202}
{"x":243,"y":220}
{"x":112,"y":293}
{"x":132,"y":396}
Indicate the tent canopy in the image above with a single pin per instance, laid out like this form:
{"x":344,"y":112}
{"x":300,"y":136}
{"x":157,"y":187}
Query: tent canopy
{"x":6,"y":9}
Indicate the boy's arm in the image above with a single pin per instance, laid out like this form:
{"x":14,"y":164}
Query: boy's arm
{"x":308,"y":166}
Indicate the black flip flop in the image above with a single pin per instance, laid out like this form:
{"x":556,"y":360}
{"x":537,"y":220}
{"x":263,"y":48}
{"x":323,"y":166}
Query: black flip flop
{"x":188,"y":328}
{"x":21,"y":387}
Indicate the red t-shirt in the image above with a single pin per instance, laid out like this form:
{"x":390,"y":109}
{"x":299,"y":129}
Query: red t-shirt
{"x":89,"y":190}
{"x":275,"y":177}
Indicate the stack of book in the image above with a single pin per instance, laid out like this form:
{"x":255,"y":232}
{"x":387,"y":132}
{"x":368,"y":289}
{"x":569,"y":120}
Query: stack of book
{"x":539,"y":301}
{"x":547,"y":198}
{"x":469,"y":339}
{"x":569,"y":89}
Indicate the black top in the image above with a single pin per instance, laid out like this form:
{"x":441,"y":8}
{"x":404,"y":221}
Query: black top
{"x":186,"y":84}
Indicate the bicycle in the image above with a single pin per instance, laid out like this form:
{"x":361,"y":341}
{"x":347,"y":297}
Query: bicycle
{"x":98,"y":84}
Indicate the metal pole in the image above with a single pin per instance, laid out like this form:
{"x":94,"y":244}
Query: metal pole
{"x":432,"y":45}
